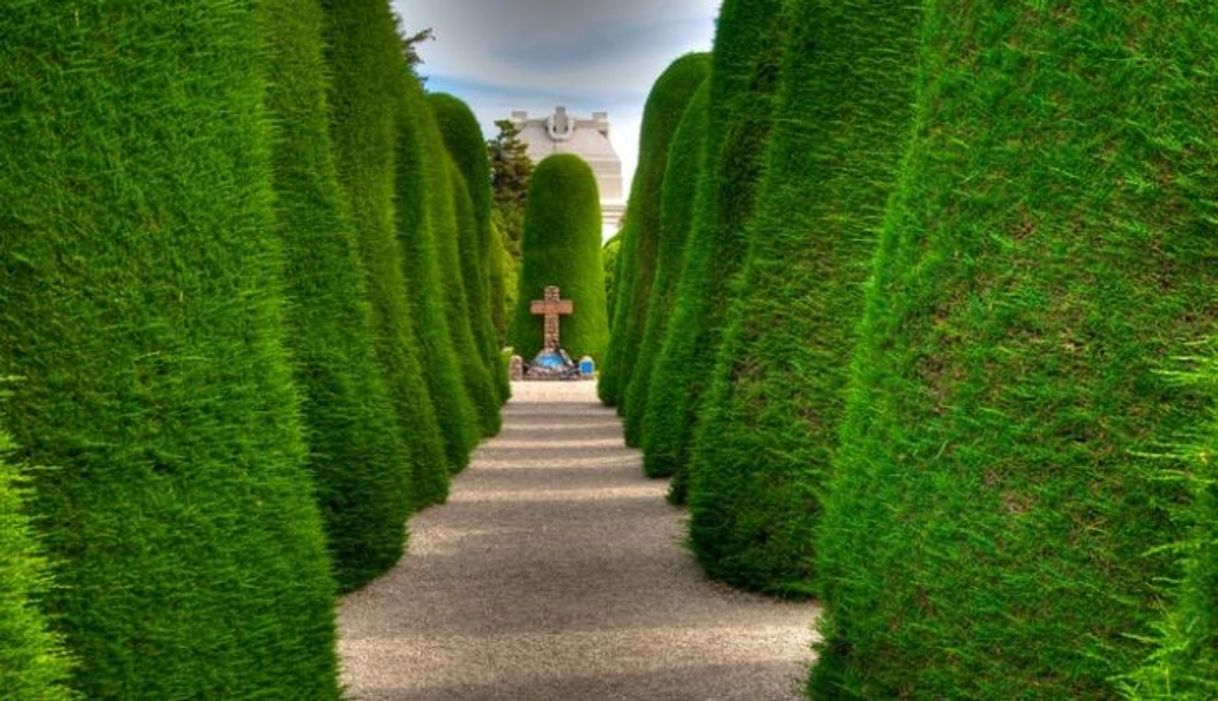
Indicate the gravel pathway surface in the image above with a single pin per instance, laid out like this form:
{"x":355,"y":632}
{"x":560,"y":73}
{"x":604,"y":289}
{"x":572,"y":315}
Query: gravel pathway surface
{"x":556,"y":571}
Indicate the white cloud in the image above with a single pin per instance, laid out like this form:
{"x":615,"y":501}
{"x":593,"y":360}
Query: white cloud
{"x":535,"y":54}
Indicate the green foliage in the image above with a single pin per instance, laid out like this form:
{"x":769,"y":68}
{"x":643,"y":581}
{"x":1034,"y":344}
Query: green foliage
{"x":355,"y":455}
{"x":640,"y":241}
{"x":1184,"y":663}
{"x":503,"y":276}
{"x":562,"y":246}
{"x":369,"y":84}
{"x":33,"y":666}
{"x":768,"y":429}
{"x":744,"y":79}
{"x":463,"y":138}
{"x":418,"y":232}
{"x":686,"y":156}
{"x":609,"y":259}
{"x":141,"y":308}
{"x":1047,"y":254}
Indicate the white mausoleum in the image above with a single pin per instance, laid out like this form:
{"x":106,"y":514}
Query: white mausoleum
{"x":587,"y":138}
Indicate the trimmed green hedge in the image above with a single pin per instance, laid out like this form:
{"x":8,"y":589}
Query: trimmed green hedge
{"x":369,"y":80}
{"x":562,"y":246}
{"x":33,"y":666}
{"x":503,"y":286}
{"x":665,"y":106}
{"x":744,"y":81}
{"x":609,"y":261}
{"x":686,"y":156}
{"x":768,"y":428}
{"x":355,"y":453}
{"x":418,"y":233}
{"x":467,"y":147}
{"x":1049,"y":252}
{"x":141,"y":308}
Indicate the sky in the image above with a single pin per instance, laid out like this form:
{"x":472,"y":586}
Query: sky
{"x":592,"y":56}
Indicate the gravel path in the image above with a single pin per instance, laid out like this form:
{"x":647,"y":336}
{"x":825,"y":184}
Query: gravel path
{"x":556,"y":571}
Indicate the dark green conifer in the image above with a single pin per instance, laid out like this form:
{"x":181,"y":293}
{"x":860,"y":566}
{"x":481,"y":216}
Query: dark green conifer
{"x":142,"y":311}
{"x":1048,"y":255}
{"x":640,"y":241}
{"x":685,"y":160}
{"x":368,"y":89}
{"x":768,"y":429}
{"x":744,"y":80}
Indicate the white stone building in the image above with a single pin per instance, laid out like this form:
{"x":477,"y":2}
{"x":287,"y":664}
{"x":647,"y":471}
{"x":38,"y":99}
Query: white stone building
{"x":587,"y":138}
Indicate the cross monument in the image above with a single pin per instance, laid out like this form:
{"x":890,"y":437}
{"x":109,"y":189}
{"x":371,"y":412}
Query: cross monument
{"x":552,"y":308}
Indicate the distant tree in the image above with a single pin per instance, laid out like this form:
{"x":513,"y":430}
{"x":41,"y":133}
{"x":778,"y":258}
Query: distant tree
{"x":511,"y":171}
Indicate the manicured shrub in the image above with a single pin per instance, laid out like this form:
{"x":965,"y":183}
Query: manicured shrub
{"x":355,"y":452}
{"x":685,"y":160}
{"x":609,"y":260}
{"x":1048,"y":254}
{"x":368,"y":88}
{"x":562,"y":247}
{"x":33,"y":666}
{"x":458,"y":216}
{"x":417,"y":233}
{"x":768,"y":429}
{"x":464,"y":141}
{"x":744,"y":79}
{"x":665,"y":106}
{"x":141,"y":308}
{"x":503,"y":285}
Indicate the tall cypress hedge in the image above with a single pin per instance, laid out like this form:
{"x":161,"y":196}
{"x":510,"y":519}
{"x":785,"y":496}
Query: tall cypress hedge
{"x":1048,"y":253}
{"x":33,"y":666}
{"x":368,"y":88}
{"x":355,"y":452}
{"x":686,"y":156}
{"x":503,"y":285}
{"x":417,"y":233}
{"x":609,"y":260}
{"x":463,"y":139}
{"x":142,"y":310}
{"x":744,"y":80}
{"x":767,"y":433}
{"x":662,"y":114}
{"x":562,"y":247}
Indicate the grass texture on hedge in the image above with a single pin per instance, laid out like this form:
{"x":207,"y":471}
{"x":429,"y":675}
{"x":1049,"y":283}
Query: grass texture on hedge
{"x":430,"y":312}
{"x":503,"y":276}
{"x":355,"y":452}
{"x":33,"y":665}
{"x":768,"y":429}
{"x":368,"y":77}
{"x":562,"y":247}
{"x":686,"y":155}
{"x":744,"y":80}
{"x":142,"y":310}
{"x":465,"y":144}
{"x":994,"y":513}
{"x":662,"y":114}
{"x":609,"y":260}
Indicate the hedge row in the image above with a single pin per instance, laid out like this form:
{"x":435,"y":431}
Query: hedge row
{"x":742,"y":92}
{"x":562,"y":247}
{"x":662,"y":114}
{"x":356,"y":457}
{"x":142,"y":310}
{"x":766,"y":435}
{"x":686,"y":157}
{"x":217,"y":331}
{"x":368,"y":89}
{"x":992,"y":523}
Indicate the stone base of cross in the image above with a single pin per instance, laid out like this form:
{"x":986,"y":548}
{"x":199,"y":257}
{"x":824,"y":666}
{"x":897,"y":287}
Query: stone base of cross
{"x":553,"y":308}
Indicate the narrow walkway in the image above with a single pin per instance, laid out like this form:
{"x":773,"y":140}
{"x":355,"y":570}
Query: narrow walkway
{"x":556,"y":571}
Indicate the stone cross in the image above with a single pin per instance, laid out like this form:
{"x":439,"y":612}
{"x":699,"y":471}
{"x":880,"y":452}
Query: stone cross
{"x":552,"y":308}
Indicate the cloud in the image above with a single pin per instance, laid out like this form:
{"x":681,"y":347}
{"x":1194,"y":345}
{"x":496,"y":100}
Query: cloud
{"x":535,"y":54}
